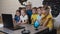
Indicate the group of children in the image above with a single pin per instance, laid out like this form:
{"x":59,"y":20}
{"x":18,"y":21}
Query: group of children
{"x":30,"y":15}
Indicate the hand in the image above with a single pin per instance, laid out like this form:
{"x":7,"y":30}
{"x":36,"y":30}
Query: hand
{"x":44,"y":25}
{"x":41,"y":24}
{"x":18,"y":23}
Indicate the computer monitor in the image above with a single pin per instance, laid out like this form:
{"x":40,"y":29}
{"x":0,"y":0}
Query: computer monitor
{"x":7,"y":20}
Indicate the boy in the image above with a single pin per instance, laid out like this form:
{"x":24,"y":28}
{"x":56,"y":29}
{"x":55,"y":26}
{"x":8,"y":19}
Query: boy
{"x":23,"y":17}
{"x":34,"y":15}
{"x":17,"y":17}
{"x":39,"y":14}
{"x":47,"y":18}
{"x":29,"y":12}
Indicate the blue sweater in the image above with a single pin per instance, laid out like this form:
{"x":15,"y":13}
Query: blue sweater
{"x":29,"y":13}
{"x":17,"y":18}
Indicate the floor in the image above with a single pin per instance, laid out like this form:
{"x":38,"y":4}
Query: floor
{"x":58,"y":30}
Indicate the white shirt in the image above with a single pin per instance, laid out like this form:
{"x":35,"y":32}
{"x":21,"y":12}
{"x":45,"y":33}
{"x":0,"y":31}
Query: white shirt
{"x":23,"y":18}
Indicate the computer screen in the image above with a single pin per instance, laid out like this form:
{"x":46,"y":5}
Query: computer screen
{"x":7,"y":20}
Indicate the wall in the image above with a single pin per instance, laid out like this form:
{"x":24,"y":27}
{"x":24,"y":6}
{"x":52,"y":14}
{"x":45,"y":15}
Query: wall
{"x":10,"y":6}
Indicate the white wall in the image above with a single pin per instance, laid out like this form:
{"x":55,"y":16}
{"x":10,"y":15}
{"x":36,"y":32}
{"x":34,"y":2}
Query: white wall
{"x":10,"y":6}
{"x":36,"y":3}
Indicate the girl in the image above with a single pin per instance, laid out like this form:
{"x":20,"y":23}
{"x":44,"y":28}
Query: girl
{"x":23,"y":17}
{"x":47,"y":18}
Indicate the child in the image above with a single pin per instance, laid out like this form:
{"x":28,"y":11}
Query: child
{"x":29,"y":12}
{"x":39,"y":14}
{"x":23,"y":17}
{"x":34,"y":15}
{"x":17,"y":16}
{"x":47,"y":18}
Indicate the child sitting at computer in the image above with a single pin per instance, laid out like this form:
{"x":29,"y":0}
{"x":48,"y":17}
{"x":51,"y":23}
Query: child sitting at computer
{"x":39,"y":11}
{"x":17,"y":17}
{"x":23,"y":17}
{"x":46,"y":18}
{"x":34,"y":15}
{"x":29,"y":11}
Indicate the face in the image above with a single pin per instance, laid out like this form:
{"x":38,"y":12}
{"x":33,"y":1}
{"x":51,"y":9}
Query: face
{"x":28,"y":7}
{"x":22,"y":12}
{"x":17,"y":13}
{"x":39,"y":11}
{"x":33,"y":11}
{"x":43,"y":11}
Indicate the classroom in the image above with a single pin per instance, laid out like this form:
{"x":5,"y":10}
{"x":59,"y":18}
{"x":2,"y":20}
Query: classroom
{"x":29,"y":16}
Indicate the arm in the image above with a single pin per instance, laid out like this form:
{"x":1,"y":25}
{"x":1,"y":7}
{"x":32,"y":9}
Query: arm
{"x":46,"y":22}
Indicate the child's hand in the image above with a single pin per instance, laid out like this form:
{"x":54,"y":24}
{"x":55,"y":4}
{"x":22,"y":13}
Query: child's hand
{"x":44,"y":25}
{"x":41,"y":24}
{"x":18,"y":23}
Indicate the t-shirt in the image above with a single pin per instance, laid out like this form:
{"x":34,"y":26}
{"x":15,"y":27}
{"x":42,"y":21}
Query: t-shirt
{"x":23,"y":18}
{"x":49,"y":24}
{"x":39,"y":18}
{"x":17,"y":18}
{"x":34,"y":18}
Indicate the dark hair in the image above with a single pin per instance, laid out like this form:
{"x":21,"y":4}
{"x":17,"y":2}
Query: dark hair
{"x":39,"y":8}
{"x":35,"y":8}
{"x":20,"y":8}
{"x":23,"y":9}
{"x":17,"y":11}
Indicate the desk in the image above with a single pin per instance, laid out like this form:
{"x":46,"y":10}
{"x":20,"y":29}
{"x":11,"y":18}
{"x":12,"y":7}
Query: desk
{"x":27,"y":27}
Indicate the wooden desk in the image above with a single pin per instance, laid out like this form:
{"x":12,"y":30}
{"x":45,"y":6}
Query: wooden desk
{"x":27,"y":27}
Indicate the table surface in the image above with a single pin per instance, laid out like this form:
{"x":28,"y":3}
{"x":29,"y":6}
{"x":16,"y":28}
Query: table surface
{"x":27,"y":27}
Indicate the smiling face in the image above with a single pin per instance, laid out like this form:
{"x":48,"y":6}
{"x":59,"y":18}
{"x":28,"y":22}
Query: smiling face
{"x":33,"y":11}
{"x":23,"y":12}
{"x":39,"y":11}
{"x":17,"y":13}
